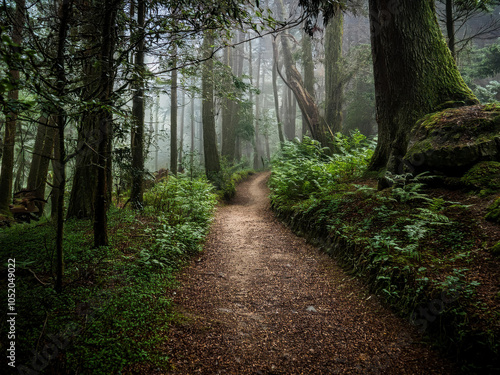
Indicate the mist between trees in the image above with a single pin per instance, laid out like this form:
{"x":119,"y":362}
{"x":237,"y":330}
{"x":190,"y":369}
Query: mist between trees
{"x":99,"y":96}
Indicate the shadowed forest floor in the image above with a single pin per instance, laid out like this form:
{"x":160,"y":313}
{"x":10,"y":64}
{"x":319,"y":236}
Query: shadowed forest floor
{"x":260,"y":300}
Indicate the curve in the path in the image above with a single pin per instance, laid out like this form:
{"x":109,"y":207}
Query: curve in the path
{"x":260,"y":300}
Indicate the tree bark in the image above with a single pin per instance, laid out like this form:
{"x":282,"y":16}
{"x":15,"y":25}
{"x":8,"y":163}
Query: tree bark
{"x":228,"y":108}
{"x":317,"y":125}
{"x":157,"y":134}
{"x":7,"y":169}
{"x":450,"y":28}
{"x":308,"y":72}
{"x":212,"y":162}
{"x":173,"y":117}
{"x":181,"y":132}
{"x":275,"y":91}
{"x":256,"y":152}
{"x":60,"y":74}
{"x":42,"y":152}
{"x":193,"y":124}
{"x":414,"y":74}
{"x":105,"y":117}
{"x":334,"y":82}
{"x":138,"y":108}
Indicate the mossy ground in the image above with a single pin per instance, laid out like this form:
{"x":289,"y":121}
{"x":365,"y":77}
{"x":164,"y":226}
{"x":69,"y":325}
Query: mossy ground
{"x":493,"y":212}
{"x":484,"y":177}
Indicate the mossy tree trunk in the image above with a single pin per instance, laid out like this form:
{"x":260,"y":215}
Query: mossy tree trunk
{"x":334,"y":82}
{"x":414,"y":73}
{"x":212,"y":161}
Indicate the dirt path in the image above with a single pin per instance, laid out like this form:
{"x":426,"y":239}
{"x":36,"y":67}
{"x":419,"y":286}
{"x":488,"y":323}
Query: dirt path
{"x":262,"y":301}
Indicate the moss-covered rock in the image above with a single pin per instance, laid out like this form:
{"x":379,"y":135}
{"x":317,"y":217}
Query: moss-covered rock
{"x":495,"y":250}
{"x":454,"y":140}
{"x":493,"y":213}
{"x":483,"y":177}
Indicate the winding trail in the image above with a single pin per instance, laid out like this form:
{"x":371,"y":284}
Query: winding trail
{"x":260,"y":300}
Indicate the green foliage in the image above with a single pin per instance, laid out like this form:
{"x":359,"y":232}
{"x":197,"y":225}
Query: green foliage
{"x":410,"y":246}
{"x":114,"y":312}
{"x":303,"y":169}
{"x":180,"y":199}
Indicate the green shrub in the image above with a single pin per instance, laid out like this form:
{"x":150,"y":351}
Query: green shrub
{"x":303,"y":169}
{"x":180,"y":199}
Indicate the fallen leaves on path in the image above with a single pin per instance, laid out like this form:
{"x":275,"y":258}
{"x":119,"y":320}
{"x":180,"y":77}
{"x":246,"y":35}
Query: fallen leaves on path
{"x":260,"y":300}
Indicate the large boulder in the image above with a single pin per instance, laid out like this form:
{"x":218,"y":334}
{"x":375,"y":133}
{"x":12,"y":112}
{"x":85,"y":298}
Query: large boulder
{"x":452,"y":141}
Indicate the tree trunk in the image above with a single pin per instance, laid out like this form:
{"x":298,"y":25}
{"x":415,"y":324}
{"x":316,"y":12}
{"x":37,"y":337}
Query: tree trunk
{"x":60,"y":73}
{"x":173,"y":116}
{"x":308,"y":72}
{"x":212,"y":162}
{"x":275,"y":92}
{"x":136,"y":194}
{"x":181,"y":132}
{"x":44,"y":144}
{"x":414,"y":74}
{"x":7,"y":170}
{"x":228,"y":108}
{"x":256,"y":152}
{"x":193,"y":124}
{"x":450,"y":28}
{"x":157,"y":134}
{"x":105,"y":117}
{"x":317,"y":125}
{"x":334,"y":82}
{"x":81,"y":203}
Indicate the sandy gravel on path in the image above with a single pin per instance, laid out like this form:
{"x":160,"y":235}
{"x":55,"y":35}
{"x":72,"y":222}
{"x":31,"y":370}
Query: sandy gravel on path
{"x":259,"y":300}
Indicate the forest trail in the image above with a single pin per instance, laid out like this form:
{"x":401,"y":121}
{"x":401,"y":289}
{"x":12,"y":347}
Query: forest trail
{"x":259,"y":300}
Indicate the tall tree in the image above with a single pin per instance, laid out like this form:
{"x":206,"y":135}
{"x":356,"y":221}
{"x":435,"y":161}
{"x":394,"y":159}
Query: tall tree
{"x":414,"y":73}
{"x":308,"y":64}
{"x":228,"y":108}
{"x":316,"y":123}
{"x":42,"y":152}
{"x":173,"y":116}
{"x":60,"y":75}
{"x":334,"y":82}
{"x":455,"y":16}
{"x":212,"y":162}
{"x":105,"y":117}
{"x":138,"y":109}
{"x":181,"y":130}
{"x":275,"y":91}
{"x":11,"y":114}
{"x":81,"y":203}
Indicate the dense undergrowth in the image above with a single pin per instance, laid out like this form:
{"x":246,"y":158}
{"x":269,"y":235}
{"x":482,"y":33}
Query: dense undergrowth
{"x":414,"y":248}
{"x":115,"y":309}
